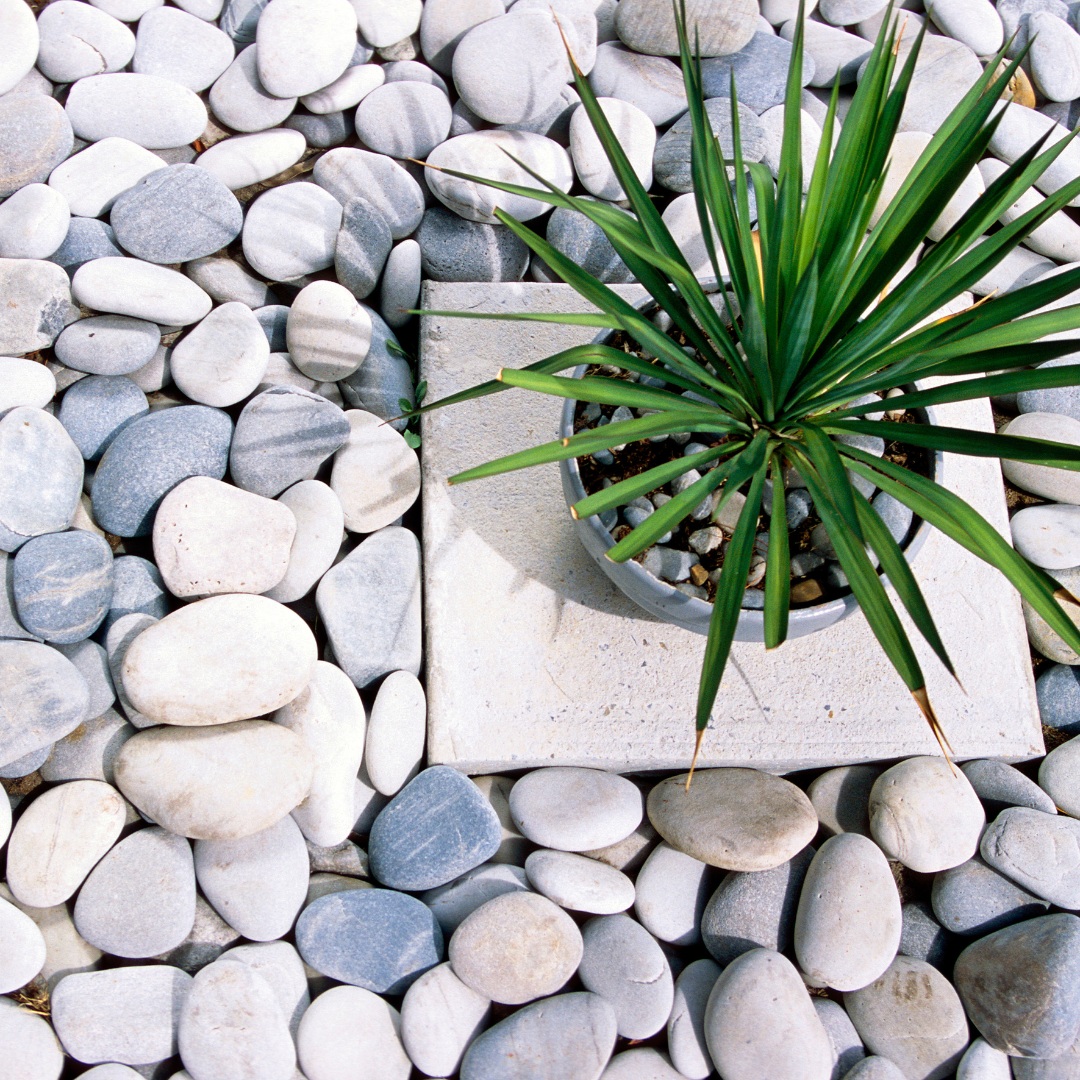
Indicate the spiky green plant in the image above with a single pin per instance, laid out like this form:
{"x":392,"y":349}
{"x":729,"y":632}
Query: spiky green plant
{"x":824,"y":319}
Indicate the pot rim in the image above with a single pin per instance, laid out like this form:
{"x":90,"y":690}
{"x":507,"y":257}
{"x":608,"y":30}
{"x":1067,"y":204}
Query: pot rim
{"x":695,"y":609}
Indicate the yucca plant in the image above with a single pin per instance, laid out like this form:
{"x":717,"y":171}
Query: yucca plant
{"x":824,"y":319}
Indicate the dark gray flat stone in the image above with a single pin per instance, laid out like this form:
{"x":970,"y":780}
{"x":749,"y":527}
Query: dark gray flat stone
{"x":363,"y":244}
{"x":1021,"y":986}
{"x":87,"y":239}
{"x":438,"y":827}
{"x":137,"y":587}
{"x":150,"y":457}
{"x":377,"y":939}
{"x":973,"y":899}
{"x":760,"y":68}
{"x":453,"y":249}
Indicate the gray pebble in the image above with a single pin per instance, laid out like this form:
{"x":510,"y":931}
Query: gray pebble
{"x":181,"y":47}
{"x":972,"y":899}
{"x":108,"y":344}
{"x":140,"y":899}
{"x":282,"y":436}
{"x":566,"y":1035}
{"x":35,"y":136}
{"x":274,"y":319}
{"x":436,"y":828}
{"x":93,"y":664}
{"x":841,"y":798}
{"x":150,"y":457}
{"x":401,"y":282}
{"x":241,"y":102}
{"x":995,"y":781}
{"x":672,"y":890}
{"x":453,"y":249}
{"x":924,"y":1031}
{"x":290,"y":231}
{"x":239,"y":19}
{"x":45,"y":698}
{"x":1055,"y":399}
{"x":225,"y":280}
{"x":875,"y":1068}
{"x":86,"y":239}
{"x":373,"y":938}
{"x":671,"y":160}
{"x":686,"y":1025}
{"x":321,"y":132}
{"x":37,"y":304}
{"x":896,"y":515}
{"x":363,"y":245}
{"x":137,"y":589}
{"x":63,"y":584}
{"x":1058,"y":777}
{"x":760,"y":68}
{"x":92,"y":1013}
{"x":349,"y":172}
{"x":1019,"y":986}
{"x":208,"y":938}
{"x":584,"y":243}
{"x":89,"y":752}
{"x":922,"y":936}
{"x":453,"y":903}
{"x":752,"y":910}
{"x":848,"y":1049}
{"x":403,"y":119}
{"x":176,"y":214}
{"x":257,"y":883}
{"x":623,"y":963}
{"x":147,"y":109}
{"x":383,"y":379}
{"x":41,"y":475}
{"x":370,"y":605}
{"x":95,"y":409}
{"x":1037,"y":851}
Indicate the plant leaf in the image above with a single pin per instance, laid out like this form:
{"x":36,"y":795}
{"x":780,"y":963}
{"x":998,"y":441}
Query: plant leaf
{"x":778,"y":564}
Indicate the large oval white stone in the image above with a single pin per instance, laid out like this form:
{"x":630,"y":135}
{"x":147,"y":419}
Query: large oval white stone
{"x":221,"y":659}
{"x":217,"y":783}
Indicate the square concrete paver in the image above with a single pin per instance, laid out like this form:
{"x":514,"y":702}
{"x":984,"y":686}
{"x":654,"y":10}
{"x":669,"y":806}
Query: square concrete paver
{"x":534,"y":658}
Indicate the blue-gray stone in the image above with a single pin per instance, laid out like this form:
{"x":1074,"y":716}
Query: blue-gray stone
{"x":754,"y":910}
{"x":150,"y":457}
{"x":798,"y":506}
{"x":363,"y":244}
{"x":25,"y":765}
{"x":240,"y":18}
{"x":565,"y":1036}
{"x":760,"y":68}
{"x":138,"y":587}
{"x":894,"y":513}
{"x":63,"y":584}
{"x":584,"y":243}
{"x":383,"y":379}
{"x":108,"y":344}
{"x":87,"y":239}
{"x":1054,"y":399}
{"x":972,"y":899}
{"x":35,"y":136}
{"x":436,"y":828}
{"x":377,"y":939}
{"x":370,"y":605}
{"x":453,"y":249}
{"x":176,"y":214}
{"x":671,"y":158}
{"x":1058,"y":692}
{"x":44,"y":695}
{"x":922,"y":937}
{"x":1021,"y":986}
{"x":95,"y":409}
{"x":41,"y":476}
{"x":283,"y":435}
{"x":273,"y":319}
{"x":997,"y":782}
{"x":1038,"y":851}
{"x":324,"y":131}
{"x":1066,"y":1067}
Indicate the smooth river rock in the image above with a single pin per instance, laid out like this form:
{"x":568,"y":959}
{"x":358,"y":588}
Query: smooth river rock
{"x":1038,"y":851}
{"x":221,"y":659}
{"x":737,"y":819}
{"x":218,"y":783}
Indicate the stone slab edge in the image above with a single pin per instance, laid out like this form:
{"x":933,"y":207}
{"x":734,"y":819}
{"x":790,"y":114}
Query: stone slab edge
{"x":533,"y":658}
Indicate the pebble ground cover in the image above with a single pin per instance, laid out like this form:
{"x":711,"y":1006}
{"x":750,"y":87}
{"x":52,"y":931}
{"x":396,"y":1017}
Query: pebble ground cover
{"x":223,"y":857}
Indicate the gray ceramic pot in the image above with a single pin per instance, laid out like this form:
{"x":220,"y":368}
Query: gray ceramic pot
{"x":666,"y":602}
